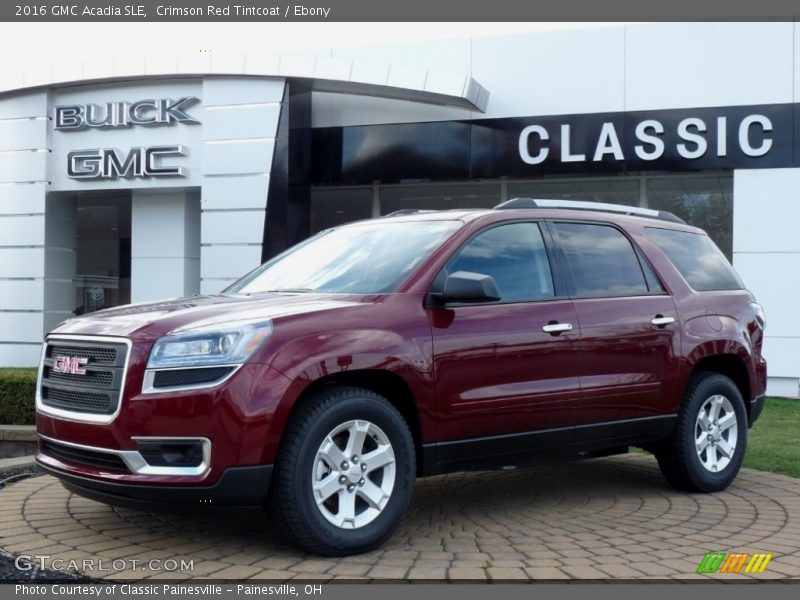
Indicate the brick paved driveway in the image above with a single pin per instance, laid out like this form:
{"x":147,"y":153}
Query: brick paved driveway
{"x":607,"y":518}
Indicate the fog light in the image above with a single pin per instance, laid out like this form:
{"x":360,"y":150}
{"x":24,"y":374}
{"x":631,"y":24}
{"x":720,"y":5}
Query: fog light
{"x":172,"y":453}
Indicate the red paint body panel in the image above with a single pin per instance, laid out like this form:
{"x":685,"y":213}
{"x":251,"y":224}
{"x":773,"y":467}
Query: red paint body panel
{"x":497,"y":372}
{"x":629,"y":367}
{"x":472,"y":371}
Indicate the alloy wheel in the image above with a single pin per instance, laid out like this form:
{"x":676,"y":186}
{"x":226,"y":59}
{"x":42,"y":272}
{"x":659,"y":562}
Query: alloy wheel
{"x":354,"y":474}
{"x":716,"y":433}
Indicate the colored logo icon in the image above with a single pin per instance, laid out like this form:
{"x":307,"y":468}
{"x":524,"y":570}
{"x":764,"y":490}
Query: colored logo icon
{"x":734,"y":562}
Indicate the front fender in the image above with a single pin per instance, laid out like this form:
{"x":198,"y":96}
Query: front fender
{"x":307,"y":359}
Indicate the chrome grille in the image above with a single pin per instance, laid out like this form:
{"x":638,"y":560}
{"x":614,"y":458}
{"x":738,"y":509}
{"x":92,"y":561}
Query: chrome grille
{"x":98,"y":378}
{"x":80,"y":401}
{"x":102,"y":355}
{"x":98,"y":390}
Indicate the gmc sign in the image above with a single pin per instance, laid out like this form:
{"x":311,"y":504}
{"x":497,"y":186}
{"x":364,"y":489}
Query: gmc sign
{"x":109,"y":163}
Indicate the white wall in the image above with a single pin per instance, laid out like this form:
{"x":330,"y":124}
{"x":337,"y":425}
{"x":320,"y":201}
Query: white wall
{"x":215,"y":235}
{"x":607,"y":69}
{"x":61,"y":260}
{"x":241,"y":122}
{"x":766,"y":253}
{"x":23,"y":188}
{"x":165,"y":244}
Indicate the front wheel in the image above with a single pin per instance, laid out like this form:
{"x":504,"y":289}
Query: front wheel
{"x":346,"y":472}
{"x":708,"y":445}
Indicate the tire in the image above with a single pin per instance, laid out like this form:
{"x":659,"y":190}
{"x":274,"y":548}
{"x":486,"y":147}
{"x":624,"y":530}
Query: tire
{"x":696,"y":458}
{"x":331,"y":510}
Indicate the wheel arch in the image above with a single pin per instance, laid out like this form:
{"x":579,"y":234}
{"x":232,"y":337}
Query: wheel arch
{"x":387,"y":384}
{"x":730,"y":364}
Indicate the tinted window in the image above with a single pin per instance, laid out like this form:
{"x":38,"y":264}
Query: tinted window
{"x":700,"y":262}
{"x":601,"y":260}
{"x":366,"y":258}
{"x":515,"y":256}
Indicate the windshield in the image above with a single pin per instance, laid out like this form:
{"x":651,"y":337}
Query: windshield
{"x":369,"y":258}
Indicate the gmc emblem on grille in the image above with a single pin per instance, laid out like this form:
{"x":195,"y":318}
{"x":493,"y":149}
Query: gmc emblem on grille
{"x":68,"y":364}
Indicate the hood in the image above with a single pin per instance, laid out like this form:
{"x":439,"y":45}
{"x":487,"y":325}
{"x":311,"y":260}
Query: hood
{"x":154,"y":319}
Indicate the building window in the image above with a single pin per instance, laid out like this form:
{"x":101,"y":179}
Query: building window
{"x":439,"y":197}
{"x":618,"y":190}
{"x":704,"y":201}
{"x":335,"y":206}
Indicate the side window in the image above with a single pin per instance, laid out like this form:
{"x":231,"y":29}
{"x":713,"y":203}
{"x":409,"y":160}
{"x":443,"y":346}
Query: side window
{"x":697,"y":258}
{"x":602,"y":261}
{"x":515,"y":256}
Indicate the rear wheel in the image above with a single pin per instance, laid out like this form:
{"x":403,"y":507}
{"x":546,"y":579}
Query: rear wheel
{"x":708,"y":445}
{"x":346,"y":472}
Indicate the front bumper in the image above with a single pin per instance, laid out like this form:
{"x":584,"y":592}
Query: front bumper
{"x":237,"y":486}
{"x":234,"y":420}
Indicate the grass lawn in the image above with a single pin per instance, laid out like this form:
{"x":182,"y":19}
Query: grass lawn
{"x":17,"y":371}
{"x":774,"y":443}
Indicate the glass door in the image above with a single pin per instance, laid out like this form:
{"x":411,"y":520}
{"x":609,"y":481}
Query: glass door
{"x":103,"y":276}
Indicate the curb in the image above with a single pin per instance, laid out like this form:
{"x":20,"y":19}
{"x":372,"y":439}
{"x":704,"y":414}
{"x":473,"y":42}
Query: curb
{"x":19,"y":461}
{"x":18,"y":433}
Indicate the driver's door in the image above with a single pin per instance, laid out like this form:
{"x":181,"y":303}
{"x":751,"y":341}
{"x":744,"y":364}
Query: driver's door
{"x":507,"y":379}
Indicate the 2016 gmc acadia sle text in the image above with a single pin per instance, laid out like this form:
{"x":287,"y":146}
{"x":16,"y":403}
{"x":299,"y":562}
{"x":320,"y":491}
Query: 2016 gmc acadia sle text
{"x":324,"y":382}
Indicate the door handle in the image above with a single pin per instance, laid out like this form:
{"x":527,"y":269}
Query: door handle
{"x":662,"y":321}
{"x":555,"y":328}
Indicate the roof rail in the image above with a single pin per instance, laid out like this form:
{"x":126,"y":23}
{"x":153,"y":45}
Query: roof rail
{"x":409,"y":211}
{"x":585,"y":205}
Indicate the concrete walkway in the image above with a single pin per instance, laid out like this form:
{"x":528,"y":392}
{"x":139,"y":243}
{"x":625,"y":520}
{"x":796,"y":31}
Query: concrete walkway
{"x":598,"y":519}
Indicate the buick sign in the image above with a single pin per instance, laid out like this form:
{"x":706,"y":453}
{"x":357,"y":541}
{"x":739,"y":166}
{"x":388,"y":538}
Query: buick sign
{"x":147,"y":113}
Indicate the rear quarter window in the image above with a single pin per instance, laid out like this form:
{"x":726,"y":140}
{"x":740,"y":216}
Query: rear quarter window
{"x":697,"y":258}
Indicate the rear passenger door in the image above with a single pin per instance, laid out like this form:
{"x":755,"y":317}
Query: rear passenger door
{"x":628,"y":345}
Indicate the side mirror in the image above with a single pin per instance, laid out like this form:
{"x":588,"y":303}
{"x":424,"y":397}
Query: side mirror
{"x":464,"y":286}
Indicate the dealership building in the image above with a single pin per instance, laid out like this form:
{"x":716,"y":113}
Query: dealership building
{"x":131,"y":179}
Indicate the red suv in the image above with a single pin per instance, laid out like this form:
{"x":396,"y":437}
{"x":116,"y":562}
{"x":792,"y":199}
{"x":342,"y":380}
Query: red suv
{"x":325,"y":381}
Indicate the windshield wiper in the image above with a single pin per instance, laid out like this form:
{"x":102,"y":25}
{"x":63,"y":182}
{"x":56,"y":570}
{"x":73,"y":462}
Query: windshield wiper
{"x":287,"y":291}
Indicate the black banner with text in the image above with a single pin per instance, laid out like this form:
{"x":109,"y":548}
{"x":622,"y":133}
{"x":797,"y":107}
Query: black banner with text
{"x":692,"y":139}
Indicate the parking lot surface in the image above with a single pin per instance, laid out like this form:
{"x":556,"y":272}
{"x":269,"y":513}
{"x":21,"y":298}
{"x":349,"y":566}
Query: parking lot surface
{"x":612,"y":518}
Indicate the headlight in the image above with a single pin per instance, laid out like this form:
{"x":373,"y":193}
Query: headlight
{"x":223,"y":344}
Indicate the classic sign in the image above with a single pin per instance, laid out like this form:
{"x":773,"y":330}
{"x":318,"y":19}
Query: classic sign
{"x":691,"y":140}
{"x":712,"y":138}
